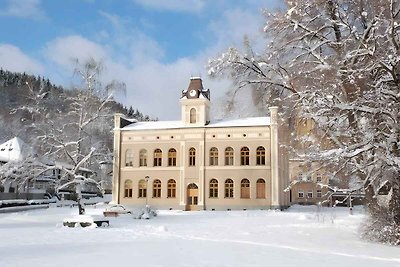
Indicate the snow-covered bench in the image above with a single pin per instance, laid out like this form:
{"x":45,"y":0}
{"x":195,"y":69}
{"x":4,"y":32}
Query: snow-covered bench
{"x":86,"y":221}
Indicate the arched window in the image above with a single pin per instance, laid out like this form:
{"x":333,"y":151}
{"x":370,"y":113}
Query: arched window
{"x":128,"y":188}
{"x":192,"y":156}
{"x":142,"y":188}
{"x":193,"y":115}
{"x":213,"y":156}
{"x":213,"y":188}
{"x":157,"y":157}
{"x":229,"y":188}
{"x":260,"y":188}
{"x":172,"y":157}
{"x":244,"y":156}
{"x":229,"y":156}
{"x":260,"y":155}
{"x":171,"y":188}
{"x":129,"y":157}
{"x":245,"y":188}
{"x":143,"y":157}
{"x":157,"y":188}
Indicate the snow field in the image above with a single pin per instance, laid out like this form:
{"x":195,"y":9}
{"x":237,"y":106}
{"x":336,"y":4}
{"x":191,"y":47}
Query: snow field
{"x":299,"y":236}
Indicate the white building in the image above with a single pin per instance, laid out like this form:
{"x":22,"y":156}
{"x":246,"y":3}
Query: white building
{"x":195,"y":163}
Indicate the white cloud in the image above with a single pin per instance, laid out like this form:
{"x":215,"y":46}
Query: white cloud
{"x":229,"y":30}
{"x":29,"y":9}
{"x":64,"y":50}
{"x":131,"y":56}
{"x":13,"y":59}
{"x":131,"y":46}
{"x":192,"y":6}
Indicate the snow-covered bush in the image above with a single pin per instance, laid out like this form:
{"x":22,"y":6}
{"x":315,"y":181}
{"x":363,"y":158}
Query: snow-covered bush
{"x":381,"y":228}
{"x":145,"y":213}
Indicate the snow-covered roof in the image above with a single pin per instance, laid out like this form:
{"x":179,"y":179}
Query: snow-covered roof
{"x":12,"y":150}
{"x":161,"y":125}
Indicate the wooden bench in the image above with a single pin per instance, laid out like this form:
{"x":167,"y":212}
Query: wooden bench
{"x":110,"y":213}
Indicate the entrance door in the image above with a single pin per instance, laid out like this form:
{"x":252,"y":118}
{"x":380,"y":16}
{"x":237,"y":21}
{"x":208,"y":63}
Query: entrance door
{"x":192,"y":197}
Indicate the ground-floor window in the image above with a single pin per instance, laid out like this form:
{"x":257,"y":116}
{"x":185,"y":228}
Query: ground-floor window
{"x":157,"y":188}
{"x":171,"y":188}
{"x":213,"y":188}
{"x":301,"y":194}
{"x":310,"y":194}
{"x":229,"y":188}
{"x":128,"y":188}
{"x":142,"y":188}
{"x":319,"y":193}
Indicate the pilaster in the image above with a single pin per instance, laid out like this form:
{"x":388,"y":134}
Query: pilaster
{"x":116,"y":158}
{"x":275,"y":183}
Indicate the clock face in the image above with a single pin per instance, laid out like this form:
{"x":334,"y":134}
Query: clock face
{"x":192,"y":93}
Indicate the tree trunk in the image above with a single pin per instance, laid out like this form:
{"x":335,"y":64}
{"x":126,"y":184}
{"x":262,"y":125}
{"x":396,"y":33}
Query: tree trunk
{"x":372,"y":203}
{"x":79,"y":199}
{"x":394,"y":204}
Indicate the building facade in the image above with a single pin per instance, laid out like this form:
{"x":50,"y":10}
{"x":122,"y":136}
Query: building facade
{"x":197,"y":164}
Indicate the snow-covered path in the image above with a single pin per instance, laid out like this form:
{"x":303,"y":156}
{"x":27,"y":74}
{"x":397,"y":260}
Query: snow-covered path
{"x":299,"y":236}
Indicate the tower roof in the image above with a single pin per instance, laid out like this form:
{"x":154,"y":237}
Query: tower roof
{"x":195,"y":83}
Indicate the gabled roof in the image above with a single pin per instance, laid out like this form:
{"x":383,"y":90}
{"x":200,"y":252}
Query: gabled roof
{"x":161,"y":125}
{"x":12,"y":150}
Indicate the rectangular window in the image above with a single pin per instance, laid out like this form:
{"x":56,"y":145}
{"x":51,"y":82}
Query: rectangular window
{"x":301,"y":194}
{"x":310,"y":194}
{"x":319,"y":179}
{"x":128,"y":192}
{"x":156,"y":192}
{"x":319,"y":193}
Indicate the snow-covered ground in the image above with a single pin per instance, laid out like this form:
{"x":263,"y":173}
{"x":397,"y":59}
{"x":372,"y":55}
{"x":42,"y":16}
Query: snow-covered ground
{"x":300,"y":236}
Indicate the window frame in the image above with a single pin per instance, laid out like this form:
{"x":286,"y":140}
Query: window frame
{"x":244,"y":156}
{"x":129,"y":158}
{"x":260,"y":156}
{"x":157,"y":157}
{"x":128,"y":189}
{"x":157,"y":188}
{"x":213,"y":156}
{"x":171,"y":188}
{"x":229,"y":156}
{"x":142,"y":189}
{"x":213,"y":188}
{"x":172,"y":157}
{"x":143,"y":158}
{"x":192,"y":157}
{"x":300,"y":193}
{"x":229,"y":188}
{"x":192,"y":115}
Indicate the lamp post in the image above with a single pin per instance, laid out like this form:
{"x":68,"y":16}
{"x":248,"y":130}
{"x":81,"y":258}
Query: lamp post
{"x":146,"y":178}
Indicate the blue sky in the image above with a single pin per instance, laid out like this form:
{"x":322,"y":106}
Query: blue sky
{"x":154,"y":46}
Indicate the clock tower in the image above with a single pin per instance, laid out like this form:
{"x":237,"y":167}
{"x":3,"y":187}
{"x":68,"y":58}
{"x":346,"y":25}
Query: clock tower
{"x":195,"y":104}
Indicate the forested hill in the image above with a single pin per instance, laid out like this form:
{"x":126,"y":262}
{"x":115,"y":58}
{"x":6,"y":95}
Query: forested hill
{"x":17,"y":117}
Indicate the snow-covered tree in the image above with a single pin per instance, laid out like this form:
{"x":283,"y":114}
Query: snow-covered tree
{"x":336,"y":62}
{"x":74,"y":136}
